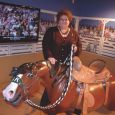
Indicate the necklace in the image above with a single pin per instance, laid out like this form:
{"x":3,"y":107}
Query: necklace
{"x":64,"y":34}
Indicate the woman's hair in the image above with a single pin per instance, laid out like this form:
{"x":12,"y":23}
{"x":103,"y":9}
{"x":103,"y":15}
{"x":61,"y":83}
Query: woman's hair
{"x":66,"y":12}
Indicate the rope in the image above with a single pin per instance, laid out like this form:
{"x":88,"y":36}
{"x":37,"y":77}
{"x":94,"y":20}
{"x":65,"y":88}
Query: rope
{"x":58,"y":101}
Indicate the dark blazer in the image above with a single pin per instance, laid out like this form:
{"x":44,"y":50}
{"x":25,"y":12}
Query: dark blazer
{"x":54,"y":45}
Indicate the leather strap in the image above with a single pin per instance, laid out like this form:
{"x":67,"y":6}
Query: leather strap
{"x":80,"y":96}
{"x":107,"y":92}
{"x":84,"y":112}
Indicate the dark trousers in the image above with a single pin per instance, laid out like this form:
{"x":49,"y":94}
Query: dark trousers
{"x":44,"y":100}
{"x":77,"y":111}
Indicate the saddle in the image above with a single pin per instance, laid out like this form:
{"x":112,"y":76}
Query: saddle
{"x":101,"y":71}
{"x":96,"y":71}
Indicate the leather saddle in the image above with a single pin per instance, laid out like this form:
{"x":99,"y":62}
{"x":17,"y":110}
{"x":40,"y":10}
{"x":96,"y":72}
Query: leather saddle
{"x":100,"y":69}
{"x":96,"y":71}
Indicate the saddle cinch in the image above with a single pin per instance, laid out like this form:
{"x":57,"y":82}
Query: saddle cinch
{"x":96,"y":72}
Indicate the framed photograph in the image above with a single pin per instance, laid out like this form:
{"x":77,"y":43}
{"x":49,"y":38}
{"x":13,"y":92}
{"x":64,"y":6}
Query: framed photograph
{"x":46,"y":20}
{"x":90,"y":32}
{"x":109,"y":39}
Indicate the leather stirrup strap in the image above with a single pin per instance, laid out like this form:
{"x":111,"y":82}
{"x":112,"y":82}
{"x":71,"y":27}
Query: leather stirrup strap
{"x":80,"y":96}
{"x":85,"y":101}
{"x":107,"y":93}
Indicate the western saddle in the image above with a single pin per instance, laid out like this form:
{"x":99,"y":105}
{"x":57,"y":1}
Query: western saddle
{"x":95,"y":73}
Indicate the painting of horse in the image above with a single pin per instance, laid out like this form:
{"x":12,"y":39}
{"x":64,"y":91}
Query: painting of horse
{"x":85,"y":88}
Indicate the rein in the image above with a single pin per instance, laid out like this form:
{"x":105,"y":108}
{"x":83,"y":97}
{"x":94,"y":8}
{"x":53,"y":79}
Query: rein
{"x":64,"y":92}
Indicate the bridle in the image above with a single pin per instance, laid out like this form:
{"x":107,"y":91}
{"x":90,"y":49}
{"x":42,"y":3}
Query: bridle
{"x":24,"y":88}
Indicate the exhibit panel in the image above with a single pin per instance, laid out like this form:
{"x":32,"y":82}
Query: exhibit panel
{"x":97,"y":35}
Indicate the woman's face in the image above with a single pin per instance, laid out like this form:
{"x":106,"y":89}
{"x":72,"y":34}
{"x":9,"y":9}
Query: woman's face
{"x":63,"y":22}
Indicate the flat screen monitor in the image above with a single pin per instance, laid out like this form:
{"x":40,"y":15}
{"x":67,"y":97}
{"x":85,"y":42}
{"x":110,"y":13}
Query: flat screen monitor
{"x":18,"y":23}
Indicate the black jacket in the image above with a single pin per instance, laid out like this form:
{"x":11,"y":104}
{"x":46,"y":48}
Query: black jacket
{"x":54,"y":45}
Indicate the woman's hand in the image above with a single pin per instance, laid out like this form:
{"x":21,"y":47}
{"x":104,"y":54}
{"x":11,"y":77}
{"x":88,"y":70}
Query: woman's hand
{"x":74,"y":48}
{"x":52,"y":60}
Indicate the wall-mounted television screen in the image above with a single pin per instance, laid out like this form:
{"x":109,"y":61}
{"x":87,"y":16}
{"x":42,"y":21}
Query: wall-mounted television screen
{"x":18,"y":23}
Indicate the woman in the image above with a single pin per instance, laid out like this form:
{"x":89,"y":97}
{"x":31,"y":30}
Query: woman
{"x":57,"y":42}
